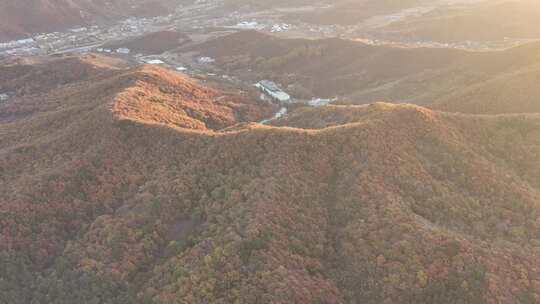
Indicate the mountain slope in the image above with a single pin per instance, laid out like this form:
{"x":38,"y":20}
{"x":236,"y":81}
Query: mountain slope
{"x":41,"y":75}
{"x":485,"y":21}
{"x":23,"y":18}
{"x":325,"y":67}
{"x":352,"y":12}
{"x":145,"y":93}
{"x":447,"y":79}
{"x":340,"y":204}
{"x":153,"y":43}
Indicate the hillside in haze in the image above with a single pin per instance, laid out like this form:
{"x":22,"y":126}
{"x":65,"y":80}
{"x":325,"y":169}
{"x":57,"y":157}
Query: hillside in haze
{"x":23,"y":18}
{"x":486,"y":21}
{"x":139,"y":185}
{"x":340,"y":12}
{"x":352,"y":12}
{"x":493,"y":82}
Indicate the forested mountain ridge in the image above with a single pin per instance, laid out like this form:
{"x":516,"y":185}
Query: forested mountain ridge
{"x":108,"y":198}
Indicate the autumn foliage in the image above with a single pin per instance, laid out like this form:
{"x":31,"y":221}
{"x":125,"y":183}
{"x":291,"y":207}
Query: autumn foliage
{"x":129,"y":189}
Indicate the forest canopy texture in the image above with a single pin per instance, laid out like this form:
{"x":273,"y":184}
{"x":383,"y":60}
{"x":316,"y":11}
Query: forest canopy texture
{"x":138,"y":185}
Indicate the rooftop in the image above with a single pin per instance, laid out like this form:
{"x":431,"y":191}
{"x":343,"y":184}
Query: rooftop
{"x":270,"y":85}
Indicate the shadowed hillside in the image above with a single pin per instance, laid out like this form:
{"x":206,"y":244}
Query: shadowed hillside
{"x":325,"y":67}
{"x":109,"y":198}
{"x":43,"y":74}
{"x":153,"y":43}
{"x":494,"y":82}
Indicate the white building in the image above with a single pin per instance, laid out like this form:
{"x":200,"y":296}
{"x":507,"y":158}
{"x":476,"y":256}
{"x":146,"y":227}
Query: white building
{"x":17,"y":43}
{"x":317,"y":102}
{"x":123,"y":51}
{"x":253,"y":25}
{"x":25,"y":41}
{"x":271,"y":89}
{"x":205,"y":60}
{"x":4,"y":97}
{"x":155,"y":61}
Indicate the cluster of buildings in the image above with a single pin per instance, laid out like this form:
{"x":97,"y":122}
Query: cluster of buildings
{"x":82,"y":39}
{"x":27,"y":46}
{"x":102,"y":50}
{"x":122,"y":50}
{"x":276,"y":94}
{"x":17,"y":43}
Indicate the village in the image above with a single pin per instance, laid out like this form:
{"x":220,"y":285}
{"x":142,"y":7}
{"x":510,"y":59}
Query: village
{"x":81,"y":39}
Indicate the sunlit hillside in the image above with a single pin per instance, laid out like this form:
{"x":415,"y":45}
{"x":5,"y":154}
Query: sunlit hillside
{"x":486,"y":21}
